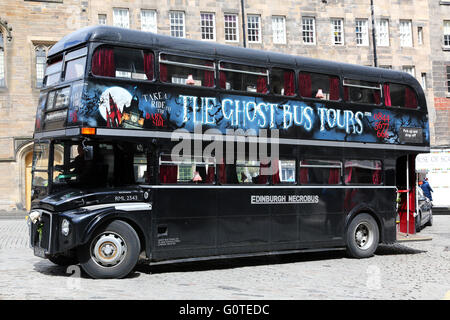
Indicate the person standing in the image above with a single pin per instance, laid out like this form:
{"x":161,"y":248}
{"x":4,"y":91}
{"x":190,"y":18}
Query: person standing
{"x":427,"y":190}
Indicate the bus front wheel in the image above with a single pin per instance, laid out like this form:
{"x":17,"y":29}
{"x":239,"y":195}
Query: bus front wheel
{"x":362,"y":236}
{"x":112,"y":252}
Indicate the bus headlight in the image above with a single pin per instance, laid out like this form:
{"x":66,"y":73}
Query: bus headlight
{"x":35,"y":216}
{"x":65,"y":227}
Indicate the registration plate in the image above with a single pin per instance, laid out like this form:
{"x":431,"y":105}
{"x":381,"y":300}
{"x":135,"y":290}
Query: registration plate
{"x":40,"y":252}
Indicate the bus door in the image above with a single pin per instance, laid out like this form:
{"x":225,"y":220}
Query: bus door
{"x":406,"y":188}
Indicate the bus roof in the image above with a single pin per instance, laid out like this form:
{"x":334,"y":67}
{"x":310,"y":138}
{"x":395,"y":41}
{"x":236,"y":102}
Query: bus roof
{"x":115,"y":35}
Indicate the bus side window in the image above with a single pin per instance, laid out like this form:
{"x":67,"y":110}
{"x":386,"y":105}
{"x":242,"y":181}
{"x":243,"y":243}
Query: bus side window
{"x":282,"y":82}
{"x":363,"y":172}
{"x":186,"y":70}
{"x":123,"y":63}
{"x":283,"y":171}
{"x":243,"y":78}
{"x":398,"y":95}
{"x":320,"y":172}
{"x":198,"y":171}
{"x":251,"y":172}
{"x":358,"y":91}
{"x":318,"y":86}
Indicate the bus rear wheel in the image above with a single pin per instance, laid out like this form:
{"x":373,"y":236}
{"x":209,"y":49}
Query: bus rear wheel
{"x":112,"y":252}
{"x":362,"y":236}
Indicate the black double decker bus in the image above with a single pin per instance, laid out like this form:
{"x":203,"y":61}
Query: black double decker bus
{"x":166,"y":149}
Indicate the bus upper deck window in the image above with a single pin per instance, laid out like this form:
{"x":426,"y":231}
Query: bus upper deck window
{"x":243,"y":78}
{"x":282,"y":82}
{"x":123,"y":63}
{"x":398,"y":95}
{"x":358,"y":91}
{"x":186,"y":70}
{"x":318,"y":86}
{"x":75,"y":63}
{"x":53,"y":72}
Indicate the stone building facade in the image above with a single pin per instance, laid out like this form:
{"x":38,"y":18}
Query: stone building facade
{"x":339,"y":30}
{"x":440,"y":63}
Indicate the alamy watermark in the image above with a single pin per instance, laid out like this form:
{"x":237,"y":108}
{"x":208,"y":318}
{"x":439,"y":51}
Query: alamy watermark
{"x":227,"y":148}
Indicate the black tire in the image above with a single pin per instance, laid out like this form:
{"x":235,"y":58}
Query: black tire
{"x":362,"y":236}
{"x":112,"y":252}
{"x":63,"y":260}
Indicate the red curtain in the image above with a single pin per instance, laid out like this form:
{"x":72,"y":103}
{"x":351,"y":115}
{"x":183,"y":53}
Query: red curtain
{"x":334,"y":88}
{"x":223,"y":80}
{"x":210,"y":175}
{"x":410,"y":98}
{"x":261,"y":84}
{"x":262,"y":179}
{"x":304,"y":176}
{"x":149,"y":65}
{"x":222,"y":173}
{"x":276,"y":172}
{"x":387,"y":95}
{"x":103,"y":62}
{"x":346,"y":94}
{"x":334,"y":176}
{"x":376,"y":175}
{"x":168,"y":173}
{"x":304,"y":81}
{"x":163,"y":72}
{"x":209,"y":76}
{"x":289,"y":88}
{"x":376,"y":97}
{"x":348,"y":174}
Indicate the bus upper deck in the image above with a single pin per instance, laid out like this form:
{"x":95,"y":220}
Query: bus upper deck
{"x":108,"y":78}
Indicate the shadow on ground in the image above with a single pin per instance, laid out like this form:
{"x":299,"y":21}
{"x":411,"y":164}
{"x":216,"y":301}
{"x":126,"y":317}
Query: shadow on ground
{"x":48,"y":268}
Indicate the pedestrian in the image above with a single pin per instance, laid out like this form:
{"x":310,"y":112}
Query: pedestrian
{"x":427,"y":190}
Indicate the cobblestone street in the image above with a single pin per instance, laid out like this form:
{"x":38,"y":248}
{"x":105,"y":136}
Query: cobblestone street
{"x":412,"y":270}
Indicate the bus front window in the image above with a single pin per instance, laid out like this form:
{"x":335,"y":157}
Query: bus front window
{"x":40,"y":169}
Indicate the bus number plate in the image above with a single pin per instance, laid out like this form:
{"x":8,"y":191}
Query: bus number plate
{"x":40,"y":252}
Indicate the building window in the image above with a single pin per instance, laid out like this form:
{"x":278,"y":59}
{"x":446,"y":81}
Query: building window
{"x":423,"y":78}
{"x":148,"y":21}
{"x":448,"y":79}
{"x":447,"y":33}
{"x":231,"y":27}
{"x":382,"y":32}
{"x":208,"y":26}
{"x":177,"y":27}
{"x":102,"y":19}
{"x":2,"y":61}
{"x":409,"y":69}
{"x":254,"y":28}
{"x":121,"y":18}
{"x":405,"y":33}
{"x":279,"y":29}
{"x":420,"y":35}
{"x":308,"y":30}
{"x":337,"y":31}
{"x":362,"y":32}
{"x":41,"y":57}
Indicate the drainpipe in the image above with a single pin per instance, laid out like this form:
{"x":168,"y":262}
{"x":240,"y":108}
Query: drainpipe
{"x":244,"y":43}
{"x":375,"y":60}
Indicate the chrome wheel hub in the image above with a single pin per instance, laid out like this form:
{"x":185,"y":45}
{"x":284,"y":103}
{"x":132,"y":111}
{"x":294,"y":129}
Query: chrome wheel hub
{"x":109,"y":249}
{"x":364,"y":235}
